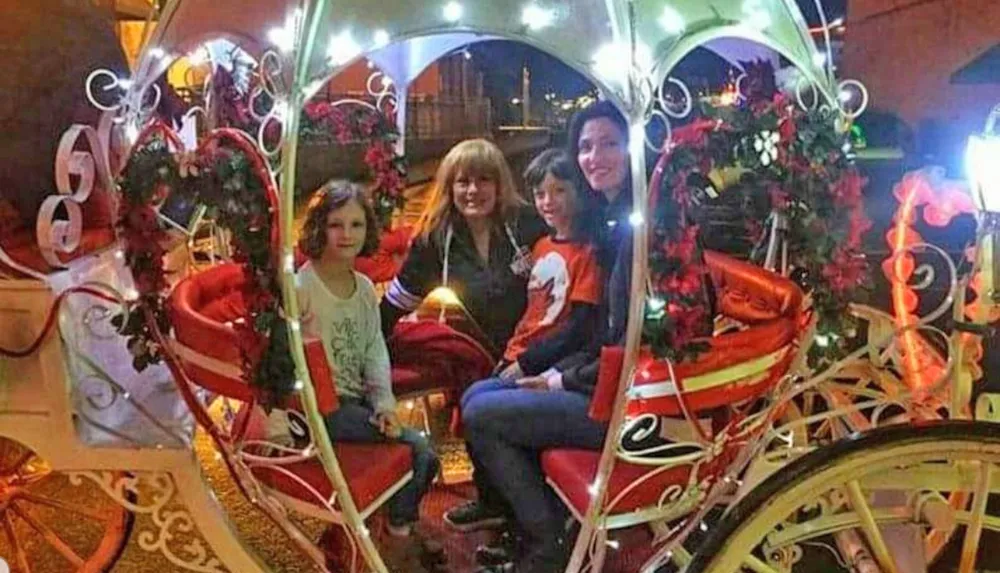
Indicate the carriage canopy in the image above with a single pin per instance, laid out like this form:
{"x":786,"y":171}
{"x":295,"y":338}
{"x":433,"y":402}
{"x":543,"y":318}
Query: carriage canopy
{"x":404,"y":36}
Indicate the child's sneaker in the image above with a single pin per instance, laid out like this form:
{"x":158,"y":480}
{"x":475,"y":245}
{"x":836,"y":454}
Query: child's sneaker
{"x":403,"y":530}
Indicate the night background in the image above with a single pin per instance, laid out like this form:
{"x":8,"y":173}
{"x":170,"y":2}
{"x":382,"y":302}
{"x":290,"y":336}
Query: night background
{"x":702,"y":70}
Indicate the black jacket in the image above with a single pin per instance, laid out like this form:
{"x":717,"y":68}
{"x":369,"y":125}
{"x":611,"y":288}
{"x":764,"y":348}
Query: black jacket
{"x":493,"y":295}
{"x":579,"y":370}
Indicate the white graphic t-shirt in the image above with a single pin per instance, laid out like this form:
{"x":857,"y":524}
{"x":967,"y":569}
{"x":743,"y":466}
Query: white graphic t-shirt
{"x":352,"y":337}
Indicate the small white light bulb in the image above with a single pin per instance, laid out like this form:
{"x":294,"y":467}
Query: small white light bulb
{"x":672,"y":21}
{"x":453,"y":12}
{"x":342,"y":49}
{"x":593,"y":488}
{"x":381,"y":38}
{"x":536,"y":18}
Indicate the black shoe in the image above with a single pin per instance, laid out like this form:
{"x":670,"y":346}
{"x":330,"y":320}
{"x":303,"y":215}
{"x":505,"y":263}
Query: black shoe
{"x":546,"y":558}
{"x":501,"y":568}
{"x":499,"y":552}
{"x":433,"y":557}
{"x":473,"y":516}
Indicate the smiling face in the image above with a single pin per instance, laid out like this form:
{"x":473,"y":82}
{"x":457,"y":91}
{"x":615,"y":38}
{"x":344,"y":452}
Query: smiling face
{"x":474,"y":196}
{"x":602,"y":156}
{"x":346,"y":228}
{"x":555,"y":201}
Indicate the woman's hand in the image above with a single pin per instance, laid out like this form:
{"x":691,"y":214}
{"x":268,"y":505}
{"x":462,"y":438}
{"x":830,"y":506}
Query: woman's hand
{"x":511,"y":372}
{"x":388,"y":424}
{"x":533,"y":383}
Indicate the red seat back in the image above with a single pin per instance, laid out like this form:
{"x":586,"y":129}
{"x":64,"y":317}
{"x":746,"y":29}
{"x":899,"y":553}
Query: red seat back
{"x":737,"y":365}
{"x":200,"y":308}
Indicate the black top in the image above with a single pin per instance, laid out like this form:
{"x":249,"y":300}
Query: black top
{"x":492,"y":293}
{"x":579,"y":370}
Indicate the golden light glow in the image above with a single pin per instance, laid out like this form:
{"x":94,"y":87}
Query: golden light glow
{"x":444,"y":296}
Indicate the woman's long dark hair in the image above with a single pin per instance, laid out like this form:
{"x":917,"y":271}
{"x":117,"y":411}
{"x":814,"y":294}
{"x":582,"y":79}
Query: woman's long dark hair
{"x":598,"y":110}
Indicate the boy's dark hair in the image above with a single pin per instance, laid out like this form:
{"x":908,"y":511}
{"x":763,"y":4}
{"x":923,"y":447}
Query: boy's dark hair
{"x":560,"y":165}
{"x":332,"y":196}
{"x":554,"y":161}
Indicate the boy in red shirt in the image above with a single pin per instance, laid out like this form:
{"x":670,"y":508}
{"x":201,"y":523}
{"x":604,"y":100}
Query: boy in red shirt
{"x":564,"y":292}
{"x":565,"y":284}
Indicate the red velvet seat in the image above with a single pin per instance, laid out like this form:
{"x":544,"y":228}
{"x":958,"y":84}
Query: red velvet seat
{"x":200,"y":308}
{"x":21,"y":243}
{"x":574,"y":470}
{"x":738,"y":366}
{"x":406,"y":381}
{"x":369,"y":469}
{"x":22,"y":247}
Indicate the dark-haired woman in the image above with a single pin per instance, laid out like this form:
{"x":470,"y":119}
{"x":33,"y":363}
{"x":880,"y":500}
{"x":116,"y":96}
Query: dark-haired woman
{"x":549,"y":410}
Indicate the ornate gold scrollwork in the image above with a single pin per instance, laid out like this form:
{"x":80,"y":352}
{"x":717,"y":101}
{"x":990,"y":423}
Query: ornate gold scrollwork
{"x":151,"y":494}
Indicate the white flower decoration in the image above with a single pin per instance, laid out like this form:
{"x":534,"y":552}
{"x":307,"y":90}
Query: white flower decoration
{"x":766,"y":144}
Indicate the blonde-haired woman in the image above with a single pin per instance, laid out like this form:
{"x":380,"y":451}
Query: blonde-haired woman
{"x":475,"y":237}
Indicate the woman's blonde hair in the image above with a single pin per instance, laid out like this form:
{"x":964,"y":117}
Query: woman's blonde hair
{"x":470,"y":158}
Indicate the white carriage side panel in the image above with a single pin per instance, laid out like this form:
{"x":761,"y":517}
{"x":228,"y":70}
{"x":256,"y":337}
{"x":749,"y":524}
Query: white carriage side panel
{"x":114,"y":404}
{"x":34,"y":397}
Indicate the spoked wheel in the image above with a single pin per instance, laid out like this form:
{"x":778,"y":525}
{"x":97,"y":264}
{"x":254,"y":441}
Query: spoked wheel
{"x":51,"y":525}
{"x":870,"y":503}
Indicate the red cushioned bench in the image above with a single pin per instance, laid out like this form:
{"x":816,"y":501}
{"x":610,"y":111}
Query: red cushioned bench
{"x":738,"y":366}
{"x":202,"y":308}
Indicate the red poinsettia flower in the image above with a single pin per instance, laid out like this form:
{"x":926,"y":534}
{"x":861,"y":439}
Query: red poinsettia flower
{"x":779,"y":197}
{"x":847,"y":190}
{"x":317,"y":110}
{"x":694,"y":134}
{"x":684,"y":246}
{"x":787,"y":130}
{"x":857,"y":225}
{"x":685,"y":283}
{"x":845,"y":270}
{"x":368,"y":124}
{"x":687,"y":320}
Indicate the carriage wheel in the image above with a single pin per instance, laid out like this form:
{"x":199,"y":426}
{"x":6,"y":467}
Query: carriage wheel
{"x":50,"y":525}
{"x":886,"y":489}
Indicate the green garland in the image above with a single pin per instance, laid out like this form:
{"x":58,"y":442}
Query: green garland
{"x":225,"y":180}
{"x":784,"y":160}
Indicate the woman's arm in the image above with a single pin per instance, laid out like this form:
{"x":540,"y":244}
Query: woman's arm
{"x":420,"y":273}
{"x":569,"y":337}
